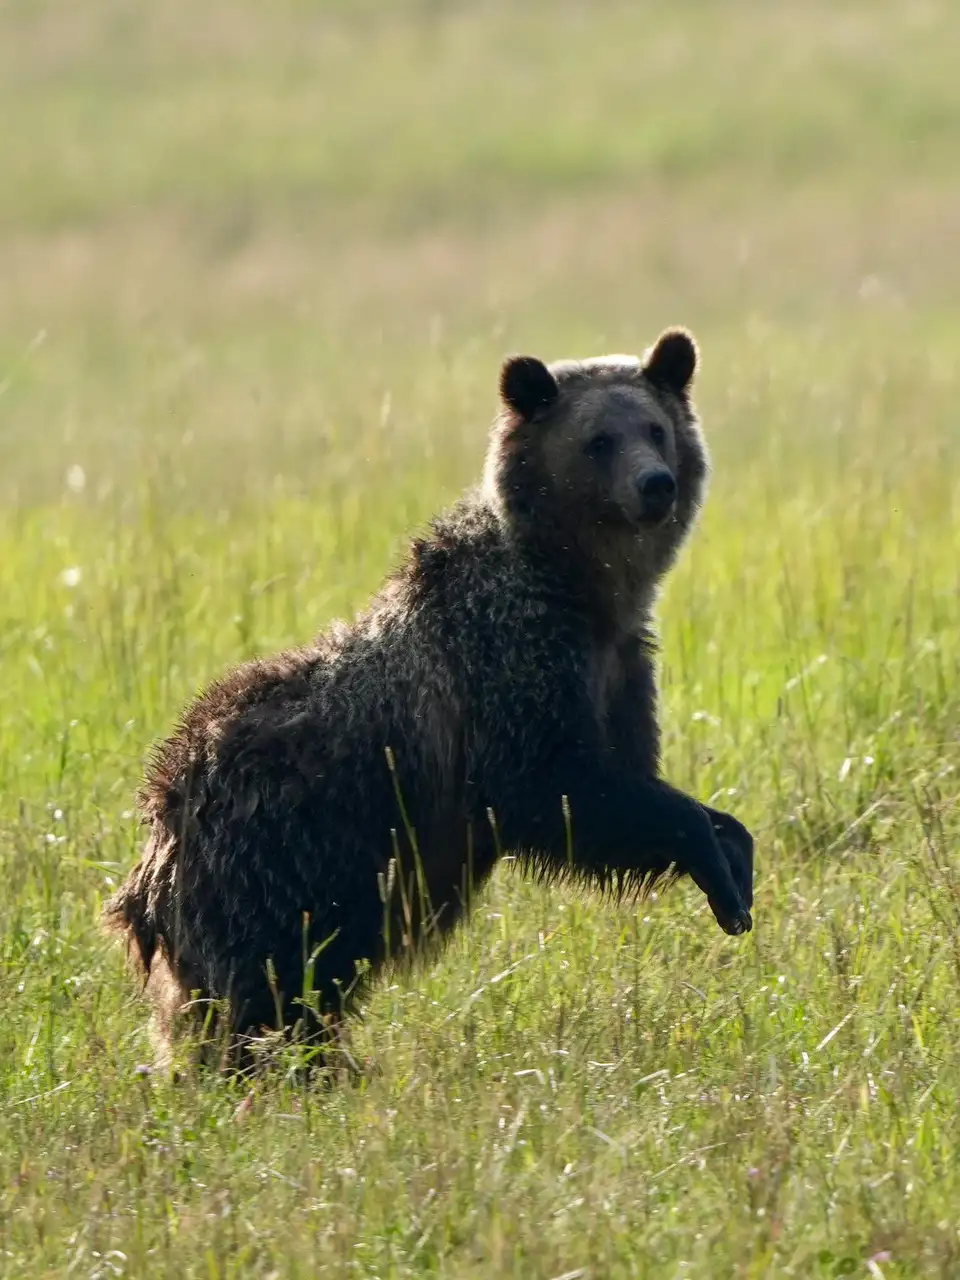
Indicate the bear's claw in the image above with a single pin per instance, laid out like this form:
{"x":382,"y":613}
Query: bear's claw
{"x":741,"y":923}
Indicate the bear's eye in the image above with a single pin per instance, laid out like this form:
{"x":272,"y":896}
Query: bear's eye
{"x":658,"y":435}
{"x":601,"y":446}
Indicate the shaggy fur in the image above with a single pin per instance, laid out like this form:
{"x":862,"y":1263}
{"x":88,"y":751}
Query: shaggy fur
{"x":498,"y":695}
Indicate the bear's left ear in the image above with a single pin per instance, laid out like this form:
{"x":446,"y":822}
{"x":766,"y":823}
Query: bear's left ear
{"x":672,"y":361}
{"x":526,"y":385}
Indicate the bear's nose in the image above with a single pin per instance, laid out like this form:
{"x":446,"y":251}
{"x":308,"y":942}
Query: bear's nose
{"x":658,"y":492}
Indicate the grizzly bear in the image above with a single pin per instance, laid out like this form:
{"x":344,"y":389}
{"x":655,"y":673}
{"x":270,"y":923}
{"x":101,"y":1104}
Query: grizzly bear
{"x":321,"y":811}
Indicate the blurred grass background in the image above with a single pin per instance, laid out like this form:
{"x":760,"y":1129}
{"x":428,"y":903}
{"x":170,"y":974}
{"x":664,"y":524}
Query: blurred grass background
{"x":259,"y":264}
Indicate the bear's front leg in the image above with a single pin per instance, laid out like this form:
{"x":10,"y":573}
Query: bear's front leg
{"x":737,"y":844}
{"x":614,"y":821}
{"x":700,"y":852}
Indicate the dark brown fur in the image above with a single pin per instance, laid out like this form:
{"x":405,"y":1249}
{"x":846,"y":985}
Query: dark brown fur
{"x":501,"y":686}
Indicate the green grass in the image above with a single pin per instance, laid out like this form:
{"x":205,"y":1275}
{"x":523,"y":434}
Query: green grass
{"x":259,"y":265}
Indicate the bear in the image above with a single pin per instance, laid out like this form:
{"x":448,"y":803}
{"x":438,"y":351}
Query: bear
{"x":325,"y":810}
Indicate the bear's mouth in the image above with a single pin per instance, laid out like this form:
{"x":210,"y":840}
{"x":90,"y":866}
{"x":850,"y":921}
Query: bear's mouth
{"x":652,"y":516}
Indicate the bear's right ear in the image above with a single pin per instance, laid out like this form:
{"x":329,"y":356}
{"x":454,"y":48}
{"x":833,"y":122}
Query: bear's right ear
{"x":672,"y":361}
{"x":526,"y":385}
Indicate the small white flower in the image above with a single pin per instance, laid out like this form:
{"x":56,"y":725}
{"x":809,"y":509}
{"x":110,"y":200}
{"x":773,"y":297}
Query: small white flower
{"x":71,"y":577}
{"x":76,"y":478}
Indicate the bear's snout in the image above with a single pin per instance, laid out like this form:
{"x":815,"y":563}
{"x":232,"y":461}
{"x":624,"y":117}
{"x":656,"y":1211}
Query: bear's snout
{"x":657,"y":491}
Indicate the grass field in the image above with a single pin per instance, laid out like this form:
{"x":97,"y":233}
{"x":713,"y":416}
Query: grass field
{"x":259,"y":264}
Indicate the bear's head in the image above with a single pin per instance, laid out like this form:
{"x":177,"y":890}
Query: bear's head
{"x":604,"y":455}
